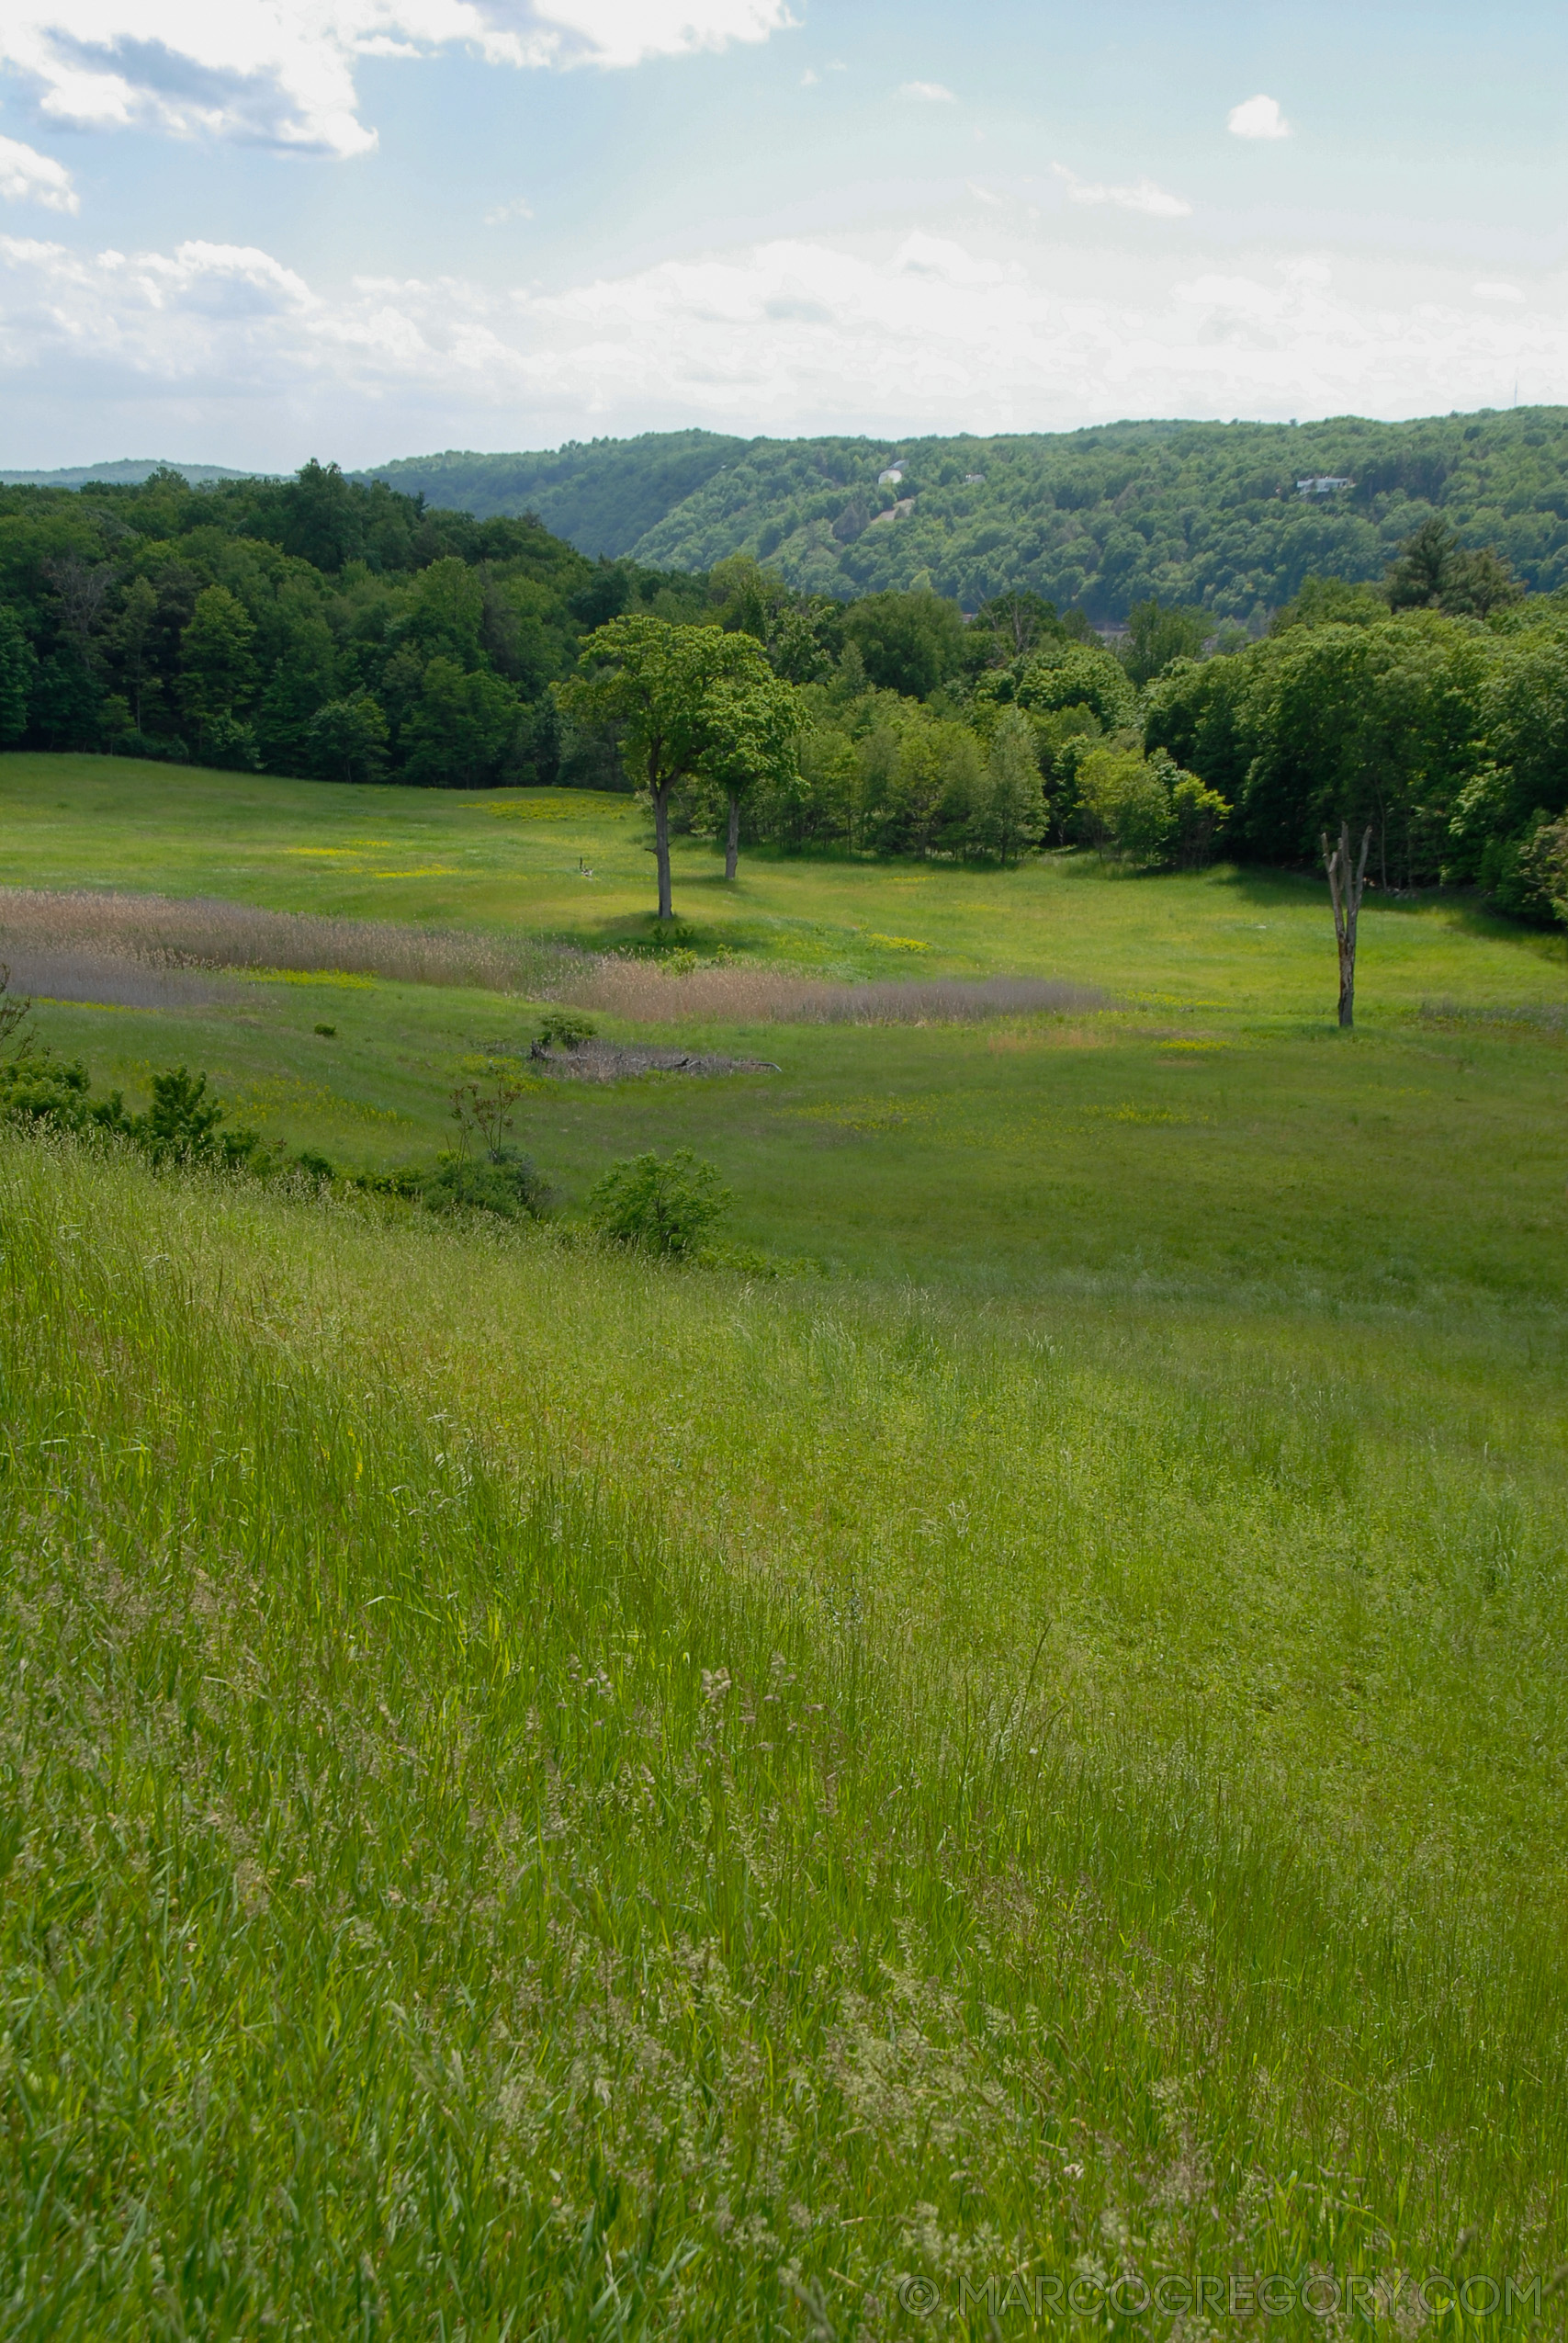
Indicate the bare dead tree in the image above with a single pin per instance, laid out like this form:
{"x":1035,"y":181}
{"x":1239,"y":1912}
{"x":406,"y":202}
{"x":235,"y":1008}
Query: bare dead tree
{"x":1345,"y":881}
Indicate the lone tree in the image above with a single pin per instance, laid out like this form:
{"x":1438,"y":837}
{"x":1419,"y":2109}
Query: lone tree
{"x":1345,"y":881}
{"x":755,"y":724}
{"x":690,"y":703}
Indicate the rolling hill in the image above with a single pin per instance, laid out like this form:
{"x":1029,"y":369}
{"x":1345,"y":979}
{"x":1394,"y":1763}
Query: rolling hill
{"x":125,"y":471}
{"x":1204,"y":513}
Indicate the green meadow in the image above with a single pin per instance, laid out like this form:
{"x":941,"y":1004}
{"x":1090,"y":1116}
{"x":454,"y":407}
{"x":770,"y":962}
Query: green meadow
{"x":1008,"y":1778}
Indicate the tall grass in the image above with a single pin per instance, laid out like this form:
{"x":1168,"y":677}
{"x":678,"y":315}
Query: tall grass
{"x":494,"y":1849}
{"x":90,"y":937}
{"x":725,"y":994}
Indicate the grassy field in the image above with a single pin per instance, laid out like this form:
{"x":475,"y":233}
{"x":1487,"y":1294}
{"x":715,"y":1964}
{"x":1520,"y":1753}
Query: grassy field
{"x":1215,"y":1129}
{"x":552,"y":1796}
{"x":1248,"y":941}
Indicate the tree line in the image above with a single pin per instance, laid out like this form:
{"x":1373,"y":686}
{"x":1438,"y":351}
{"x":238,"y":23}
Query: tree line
{"x":1431,"y":707}
{"x":318,"y":625}
{"x":338,"y":630}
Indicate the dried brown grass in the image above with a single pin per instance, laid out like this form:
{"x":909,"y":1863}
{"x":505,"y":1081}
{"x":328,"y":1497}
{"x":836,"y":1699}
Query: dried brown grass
{"x":646,"y":993}
{"x":109,"y":980}
{"x":86,"y":936}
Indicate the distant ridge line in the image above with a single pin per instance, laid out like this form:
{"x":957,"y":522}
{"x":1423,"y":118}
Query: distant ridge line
{"x":125,"y":471}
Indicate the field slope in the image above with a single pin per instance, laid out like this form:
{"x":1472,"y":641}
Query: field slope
{"x":552,"y":1795}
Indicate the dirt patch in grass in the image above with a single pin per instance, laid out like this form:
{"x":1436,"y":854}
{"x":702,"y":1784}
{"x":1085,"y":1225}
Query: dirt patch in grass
{"x":618,"y":1061}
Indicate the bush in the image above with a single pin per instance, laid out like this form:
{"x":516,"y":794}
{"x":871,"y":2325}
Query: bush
{"x":505,"y":1183}
{"x":660,"y":1204}
{"x":565,"y":1029}
{"x":182,"y":1124}
{"x":52,"y":1092}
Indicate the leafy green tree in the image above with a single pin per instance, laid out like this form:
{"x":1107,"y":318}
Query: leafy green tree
{"x":446,"y":613}
{"x":134,"y":639}
{"x":907,"y":642}
{"x":349,"y":739}
{"x":687,"y":701}
{"x":1156,"y":636}
{"x":1009,"y":627}
{"x":1435,"y":572}
{"x":1544,"y":864}
{"x":1200,"y":712}
{"x":662,"y":1204}
{"x":1079,"y":676}
{"x":1009,"y":811}
{"x":755,"y":724}
{"x":1197,"y":815}
{"x":462,"y":730}
{"x":18,"y":670}
{"x":1124,"y":805}
{"x":1331,"y":602}
{"x":217,"y":663}
{"x":323,"y":517}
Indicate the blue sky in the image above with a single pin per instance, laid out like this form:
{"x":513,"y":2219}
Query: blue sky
{"x":245,"y":231}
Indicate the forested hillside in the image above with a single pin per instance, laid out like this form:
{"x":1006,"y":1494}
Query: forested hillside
{"x":314,"y":626}
{"x":603,"y":496}
{"x":1201,"y":513}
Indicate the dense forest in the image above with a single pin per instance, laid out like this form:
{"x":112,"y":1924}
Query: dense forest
{"x":1206,"y":513}
{"x":315,"y":626}
{"x":342,"y":630}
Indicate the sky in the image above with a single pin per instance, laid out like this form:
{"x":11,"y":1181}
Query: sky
{"x":252,"y":231}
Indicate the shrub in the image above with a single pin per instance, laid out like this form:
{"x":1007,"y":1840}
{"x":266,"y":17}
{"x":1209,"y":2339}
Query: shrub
{"x":659,"y":1204}
{"x":565,"y":1029}
{"x":182,"y":1124}
{"x":505,"y":1183}
{"x":52,"y":1092}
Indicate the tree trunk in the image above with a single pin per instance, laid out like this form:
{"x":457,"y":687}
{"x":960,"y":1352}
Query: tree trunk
{"x":1346,"y":882}
{"x":661,"y":849}
{"x":732,"y":850}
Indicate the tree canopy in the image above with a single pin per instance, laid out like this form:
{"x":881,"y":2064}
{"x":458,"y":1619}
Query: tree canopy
{"x":1228,"y":517}
{"x":688,"y":704}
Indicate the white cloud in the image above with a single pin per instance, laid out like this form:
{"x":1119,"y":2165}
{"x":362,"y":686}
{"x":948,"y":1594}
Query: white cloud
{"x":219,"y":349}
{"x":1141,"y":196}
{"x":1498,"y":293}
{"x":985,"y":195}
{"x":518,"y":209}
{"x":925,"y":93}
{"x":1258,"y":118}
{"x":281,"y":73}
{"x":25,"y":175}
